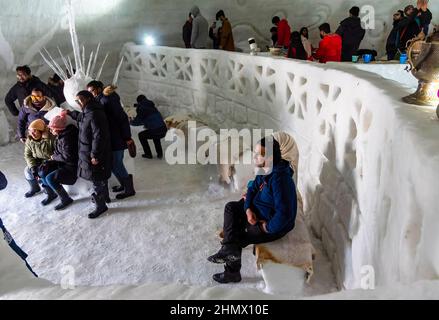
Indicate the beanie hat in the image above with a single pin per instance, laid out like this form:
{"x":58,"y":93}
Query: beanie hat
{"x":38,"y":125}
{"x":59,"y":122}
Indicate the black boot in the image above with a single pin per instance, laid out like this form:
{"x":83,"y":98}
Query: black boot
{"x":118,"y":189}
{"x":51,"y":195}
{"x":65,"y":199}
{"x":228,"y":277}
{"x":107,"y":193}
{"x":34,"y":188}
{"x":128,"y":184}
{"x":227,"y":254}
{"x":101,"y":206}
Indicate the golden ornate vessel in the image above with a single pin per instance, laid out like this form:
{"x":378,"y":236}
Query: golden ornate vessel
{"x":423,"y":57}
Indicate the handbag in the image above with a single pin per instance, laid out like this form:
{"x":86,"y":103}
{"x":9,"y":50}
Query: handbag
{"x":132,"y":149}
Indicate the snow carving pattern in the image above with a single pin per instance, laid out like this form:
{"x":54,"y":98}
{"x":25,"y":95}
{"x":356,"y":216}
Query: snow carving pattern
{"x":158,"y":65}
{"x":235,"y":77}
{"x":342,"y":135}
{"x":210,"y":72}
{"x":135,"y":61}
{"x":183,"y":68}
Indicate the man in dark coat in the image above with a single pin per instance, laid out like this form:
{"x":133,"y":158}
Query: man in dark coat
{"x":352,"y":34}
{"x":267,"y":214}
{"x":23,"y":89}
{"x":120,"y":134}
{"x":187,"y":32}
{"x":95,"y":156}
{"x":149,"y":117}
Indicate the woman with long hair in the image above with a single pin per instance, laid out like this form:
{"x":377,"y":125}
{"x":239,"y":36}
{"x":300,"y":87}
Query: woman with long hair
{"x":296,"y":50}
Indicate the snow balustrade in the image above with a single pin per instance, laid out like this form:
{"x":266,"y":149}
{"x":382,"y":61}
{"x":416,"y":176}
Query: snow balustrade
{"x":368,"y":166}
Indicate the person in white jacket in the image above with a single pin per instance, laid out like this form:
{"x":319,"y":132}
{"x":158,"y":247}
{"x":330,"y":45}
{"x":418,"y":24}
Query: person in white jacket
{"x":305,"y":41}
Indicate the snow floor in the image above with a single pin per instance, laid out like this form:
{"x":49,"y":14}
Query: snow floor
{"x":163,"y":235}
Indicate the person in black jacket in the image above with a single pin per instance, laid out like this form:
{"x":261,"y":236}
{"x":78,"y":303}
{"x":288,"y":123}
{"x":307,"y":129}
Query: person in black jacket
{"x":149,"y":117}
{"x":95,"y":156}
{"x":120,"y":135}
{"x":63,"y":167}
{"x":187,"y":32}
{"x":23,"y":88}
{"x":412,"y":25}
{"x":391,"y":48}
{"x":352,"y":33}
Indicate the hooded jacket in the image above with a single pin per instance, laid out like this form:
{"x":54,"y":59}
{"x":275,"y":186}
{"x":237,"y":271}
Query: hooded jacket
{"x":352,"y":33}
{"x":29,"y":113}
{"x":20,"y":91}
{"x":200,"y":30}
{"x":94,"y":142}
{"x":274,"y":199}
{"x":149,"y":117}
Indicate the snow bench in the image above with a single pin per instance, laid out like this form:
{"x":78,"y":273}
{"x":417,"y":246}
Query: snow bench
{"x":287,"y":264}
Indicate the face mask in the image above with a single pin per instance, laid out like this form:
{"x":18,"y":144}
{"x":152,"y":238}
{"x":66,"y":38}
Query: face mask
{"x":219,"y":24}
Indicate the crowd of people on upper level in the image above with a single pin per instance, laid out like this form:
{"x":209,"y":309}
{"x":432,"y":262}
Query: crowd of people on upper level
{"x":340,"y":46}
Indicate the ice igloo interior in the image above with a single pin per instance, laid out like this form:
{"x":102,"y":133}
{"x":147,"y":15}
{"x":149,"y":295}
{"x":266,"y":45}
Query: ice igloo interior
{"x":367,"y":170}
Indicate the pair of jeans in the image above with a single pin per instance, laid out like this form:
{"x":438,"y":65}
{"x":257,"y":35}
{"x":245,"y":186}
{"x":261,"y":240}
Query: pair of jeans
{"x":28,"y":174}
{"x":238,"y":232}
{"x":50,"y":181}
{"x":118,"y":168}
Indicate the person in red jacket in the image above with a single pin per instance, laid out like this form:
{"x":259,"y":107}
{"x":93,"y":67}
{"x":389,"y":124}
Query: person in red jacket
{"x":283,"y":32}
{"x":330,"y":47}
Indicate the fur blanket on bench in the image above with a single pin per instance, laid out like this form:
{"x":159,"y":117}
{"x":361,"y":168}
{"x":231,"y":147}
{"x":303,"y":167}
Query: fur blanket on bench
{"x":295,"y":249}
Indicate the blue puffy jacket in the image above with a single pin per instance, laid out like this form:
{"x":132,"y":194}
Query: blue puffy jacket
{"x":274,"y":199}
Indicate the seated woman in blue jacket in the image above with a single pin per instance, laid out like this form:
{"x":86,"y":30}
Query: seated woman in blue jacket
{"x":267,"y":213}
{"x":149,"y":117}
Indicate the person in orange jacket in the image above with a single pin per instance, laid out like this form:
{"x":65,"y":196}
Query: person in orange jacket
{"x":330,"y":47}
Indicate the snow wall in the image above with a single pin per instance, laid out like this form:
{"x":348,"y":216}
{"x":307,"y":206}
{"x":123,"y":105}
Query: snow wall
{"x":28,"y":26}
{"x":368,"y":165}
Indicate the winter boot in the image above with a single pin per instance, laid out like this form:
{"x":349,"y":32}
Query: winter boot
{"x":228,"y":277}
{"x":101,"y":206}
{"x":227,"y":254}
{"x":51,"y":195}
{"x":65,"y":199}
{"x":118,"y":189}
{"x":34,"y":188}
{"x":128,"y":184}
{"x":107,"y":193}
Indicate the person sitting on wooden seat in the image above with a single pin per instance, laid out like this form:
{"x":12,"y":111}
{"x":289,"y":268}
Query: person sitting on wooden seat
{"x":267,"y":213}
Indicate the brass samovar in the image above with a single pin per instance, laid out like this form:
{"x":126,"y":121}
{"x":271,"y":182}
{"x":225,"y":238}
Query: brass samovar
{"x":423,"y":57}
